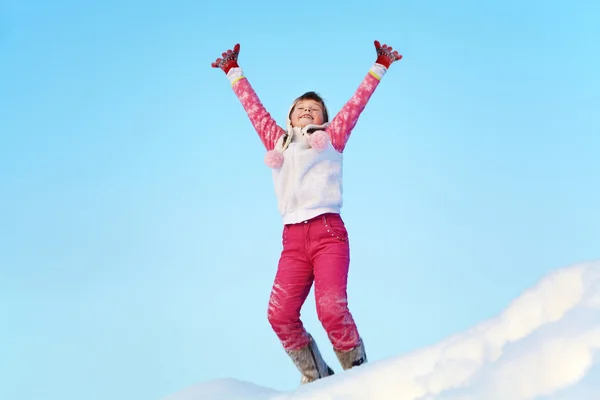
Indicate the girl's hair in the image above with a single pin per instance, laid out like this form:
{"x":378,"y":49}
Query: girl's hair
{"x":312,"y":96}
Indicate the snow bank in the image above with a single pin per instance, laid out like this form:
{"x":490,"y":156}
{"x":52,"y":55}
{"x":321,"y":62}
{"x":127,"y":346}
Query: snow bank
{"x":544,"y":346}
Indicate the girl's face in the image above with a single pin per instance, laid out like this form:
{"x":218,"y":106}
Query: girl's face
{"x":307,"y":112}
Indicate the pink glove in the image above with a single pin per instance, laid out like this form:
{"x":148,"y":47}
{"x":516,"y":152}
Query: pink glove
{"x":385,"y":55}
{"x":229,"y":59}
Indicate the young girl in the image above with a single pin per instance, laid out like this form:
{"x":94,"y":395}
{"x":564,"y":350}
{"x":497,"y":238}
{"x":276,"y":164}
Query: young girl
{"x":306,"y":163}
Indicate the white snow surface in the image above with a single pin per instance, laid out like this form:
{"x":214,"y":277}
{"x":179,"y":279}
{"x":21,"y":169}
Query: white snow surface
{"x":543,"y":346}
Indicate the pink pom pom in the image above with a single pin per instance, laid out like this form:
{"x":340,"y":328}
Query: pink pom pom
{"x":318,"y":140}
{"x":274,"y":159}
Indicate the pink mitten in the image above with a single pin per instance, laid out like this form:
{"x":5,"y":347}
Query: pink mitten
{"x":386,"y":55}
{"x":229,"y":59}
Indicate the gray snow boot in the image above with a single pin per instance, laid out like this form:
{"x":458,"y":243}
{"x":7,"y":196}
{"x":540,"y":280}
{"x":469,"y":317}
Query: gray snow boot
{"x":310,"y":363}
{"x":352,"y":358}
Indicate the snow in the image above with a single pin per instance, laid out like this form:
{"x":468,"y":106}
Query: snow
{"x":543,"y":346}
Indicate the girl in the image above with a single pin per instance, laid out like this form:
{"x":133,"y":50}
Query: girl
{"x":306,"y":163}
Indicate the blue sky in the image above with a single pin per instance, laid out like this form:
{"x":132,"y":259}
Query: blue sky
{"x":139,"y":231}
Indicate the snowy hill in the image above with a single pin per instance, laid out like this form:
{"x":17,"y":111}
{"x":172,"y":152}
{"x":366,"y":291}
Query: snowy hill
{"x":544,"y":346}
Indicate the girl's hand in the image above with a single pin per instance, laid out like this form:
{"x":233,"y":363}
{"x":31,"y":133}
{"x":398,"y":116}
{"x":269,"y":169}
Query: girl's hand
{"x":386,"y":55}
{"x":229,"y":59}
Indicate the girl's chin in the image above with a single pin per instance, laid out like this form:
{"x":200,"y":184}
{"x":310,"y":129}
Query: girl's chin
{"x":305,"y":121}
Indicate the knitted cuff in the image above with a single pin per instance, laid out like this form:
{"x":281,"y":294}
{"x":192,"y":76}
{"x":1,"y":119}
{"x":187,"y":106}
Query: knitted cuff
{"x":234,"y":75}
{"x":378,"y":71}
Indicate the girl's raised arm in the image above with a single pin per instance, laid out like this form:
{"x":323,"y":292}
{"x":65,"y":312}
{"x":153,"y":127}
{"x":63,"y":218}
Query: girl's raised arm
{"x":343,"y":123}
{"x":266,"y":127}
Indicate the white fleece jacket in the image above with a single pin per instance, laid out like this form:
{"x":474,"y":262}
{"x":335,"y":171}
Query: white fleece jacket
{"x":309,"y":181}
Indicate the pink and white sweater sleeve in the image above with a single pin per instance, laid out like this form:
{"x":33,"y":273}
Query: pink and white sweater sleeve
{"x":342,"y":124}
{"x":266,"y":127}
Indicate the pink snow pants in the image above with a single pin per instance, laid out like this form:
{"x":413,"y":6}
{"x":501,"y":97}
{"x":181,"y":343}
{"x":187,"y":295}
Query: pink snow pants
{"x":314,"y":250}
